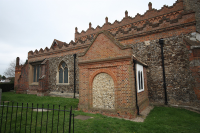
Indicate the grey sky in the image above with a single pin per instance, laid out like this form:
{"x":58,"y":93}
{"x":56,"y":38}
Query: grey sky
{"x":33,"y":24}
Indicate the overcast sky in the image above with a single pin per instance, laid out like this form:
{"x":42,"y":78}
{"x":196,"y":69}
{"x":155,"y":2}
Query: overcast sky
{"x":33,"y":24}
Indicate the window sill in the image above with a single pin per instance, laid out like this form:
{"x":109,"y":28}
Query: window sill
{"x":34,"y":83}
{"x":62,"y":83}
{"x":140,"y":91}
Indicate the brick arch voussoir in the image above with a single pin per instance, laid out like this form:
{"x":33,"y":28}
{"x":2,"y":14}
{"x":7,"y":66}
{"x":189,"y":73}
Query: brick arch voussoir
{"x":103,"y":71}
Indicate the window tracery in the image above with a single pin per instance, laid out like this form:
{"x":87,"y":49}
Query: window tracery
{"x":63,"y":73}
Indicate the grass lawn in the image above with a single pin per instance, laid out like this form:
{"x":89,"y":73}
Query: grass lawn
{"x":160,"y":119}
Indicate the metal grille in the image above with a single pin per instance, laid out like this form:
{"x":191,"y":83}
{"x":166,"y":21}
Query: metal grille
{"x":22,"y":118}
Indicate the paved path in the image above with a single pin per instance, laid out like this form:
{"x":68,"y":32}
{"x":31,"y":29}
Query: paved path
{"x":143,"y":114}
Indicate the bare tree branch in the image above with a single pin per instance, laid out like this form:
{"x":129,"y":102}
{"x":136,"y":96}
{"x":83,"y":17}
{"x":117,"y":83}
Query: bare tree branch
{"x":10,"y":71}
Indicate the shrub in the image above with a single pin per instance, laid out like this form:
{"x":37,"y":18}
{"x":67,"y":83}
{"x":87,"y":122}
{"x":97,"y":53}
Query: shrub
{"x":6,"y":86}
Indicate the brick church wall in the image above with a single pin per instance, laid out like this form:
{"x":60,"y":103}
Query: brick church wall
{"x":17,"y":75}
{"x":143,"y":99}
{"x":32,"y":89}
{"x":105,"y":57}
{"x":138,"y":36}
{"x":23,"y":84}
{"x":122,"y":74}
{"x":43,"y":89}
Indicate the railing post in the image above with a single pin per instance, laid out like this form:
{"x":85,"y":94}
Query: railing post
{"x":64,"y":120}
{"x":52,"y":120}
{"x":26,"y":116}
{"x":16,"y":117}
{"x":73,"y":123}
{"x":31,"y":116}
{"x":0,"y":97}
{"x":6,"y":117}
{"x":11,"y":117}
{"x":58,"y":118}
{"x":47,"y":117}
{"x":2,"y":117}
{"x":70,"y":114}
{"x":36,"y":119}
{"x":21,"y":118}
{"x":41,"y":118}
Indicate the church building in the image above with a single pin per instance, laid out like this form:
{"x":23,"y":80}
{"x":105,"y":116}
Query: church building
{"x":122,"y":67}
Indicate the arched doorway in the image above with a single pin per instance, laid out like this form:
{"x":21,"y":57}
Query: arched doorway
{"x":103,"y":91}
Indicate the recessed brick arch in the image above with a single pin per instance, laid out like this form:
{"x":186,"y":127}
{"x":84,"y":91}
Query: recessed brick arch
{"x":103,"y":91}
{"x":102,"y":71}
{"x":112,"y":75}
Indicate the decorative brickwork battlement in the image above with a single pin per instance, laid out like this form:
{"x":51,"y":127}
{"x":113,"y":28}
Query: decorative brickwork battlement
{"x":153,"y":21}
{"x":159,"y":24}
{"x":58,"y":47}
{"x":151,"y":18}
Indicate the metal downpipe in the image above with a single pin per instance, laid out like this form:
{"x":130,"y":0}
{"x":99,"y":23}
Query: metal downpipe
{"x":74,"y":74}
{"x":161,"y":42}
{"x":136,"y":99}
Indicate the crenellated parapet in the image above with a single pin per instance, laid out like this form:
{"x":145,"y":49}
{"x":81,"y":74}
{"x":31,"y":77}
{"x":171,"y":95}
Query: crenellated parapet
{"x":171,"y":21}
{"x":153,"y":21}
{"x":59,"y":46}
{"x":152,"y":18}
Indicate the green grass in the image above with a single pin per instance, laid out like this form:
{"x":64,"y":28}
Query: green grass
{"x":41,"y":101}
{"x":160,"y":119}
{"x":23,"y":98}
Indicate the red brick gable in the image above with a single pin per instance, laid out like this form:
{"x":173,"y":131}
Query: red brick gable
{"x":104,"y":46}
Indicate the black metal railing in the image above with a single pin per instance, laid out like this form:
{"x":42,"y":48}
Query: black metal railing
{"x":22,"y":118}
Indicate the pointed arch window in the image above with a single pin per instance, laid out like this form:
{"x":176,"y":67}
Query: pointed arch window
{"x":63,"y":73}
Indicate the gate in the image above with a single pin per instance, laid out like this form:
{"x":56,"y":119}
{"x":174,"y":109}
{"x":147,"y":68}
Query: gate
{"x":26,"y":118}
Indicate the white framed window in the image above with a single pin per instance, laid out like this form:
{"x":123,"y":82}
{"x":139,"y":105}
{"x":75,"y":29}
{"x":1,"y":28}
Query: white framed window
{"x":140,"y":78}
